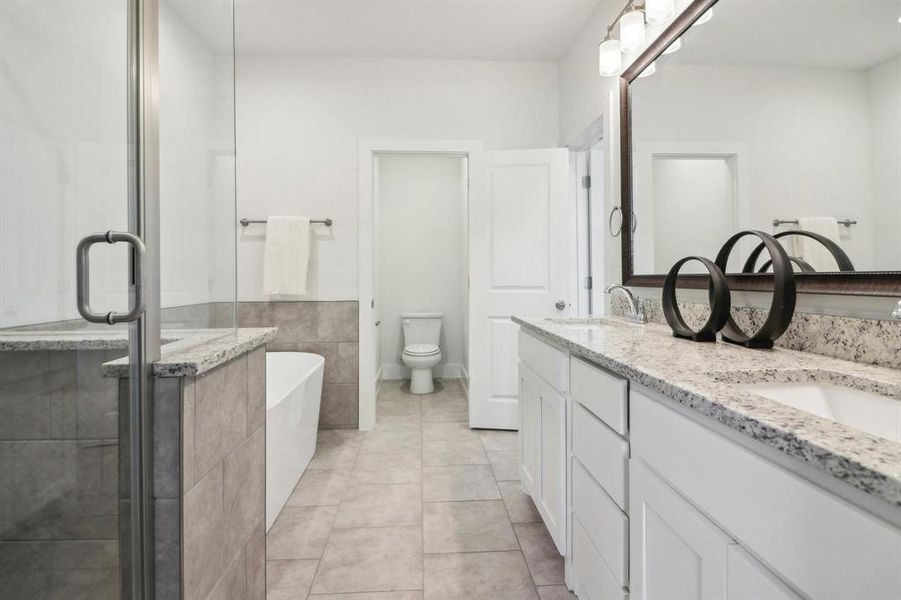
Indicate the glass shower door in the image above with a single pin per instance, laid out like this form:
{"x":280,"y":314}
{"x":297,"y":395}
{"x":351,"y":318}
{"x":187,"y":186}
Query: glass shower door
{"x":77,"y":147}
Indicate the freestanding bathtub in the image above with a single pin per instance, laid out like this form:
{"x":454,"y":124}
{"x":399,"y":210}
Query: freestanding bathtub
{"x":293,"y":392}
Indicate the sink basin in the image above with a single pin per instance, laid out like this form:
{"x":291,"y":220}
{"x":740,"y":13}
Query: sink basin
{"x":866,"y":411}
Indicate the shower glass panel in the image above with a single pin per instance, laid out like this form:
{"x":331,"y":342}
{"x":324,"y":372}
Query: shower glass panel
{"x":197,"y":164}
{"x":64,"y":173}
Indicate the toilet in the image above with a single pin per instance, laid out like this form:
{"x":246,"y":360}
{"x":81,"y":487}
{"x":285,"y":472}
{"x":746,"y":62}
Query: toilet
{"x":422,"y":332}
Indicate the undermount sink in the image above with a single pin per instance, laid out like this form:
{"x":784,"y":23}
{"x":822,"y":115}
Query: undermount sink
{"x":873,"y":413}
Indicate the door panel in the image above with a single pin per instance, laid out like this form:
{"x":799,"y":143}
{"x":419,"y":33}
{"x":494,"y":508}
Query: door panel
{"x":521,"y":263}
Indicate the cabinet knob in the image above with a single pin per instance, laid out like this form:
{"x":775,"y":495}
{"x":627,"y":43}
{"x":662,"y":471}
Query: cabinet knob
{"x":561,"y":305}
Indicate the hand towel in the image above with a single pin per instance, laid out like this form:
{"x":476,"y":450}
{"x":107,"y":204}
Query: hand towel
{"x":813,"y":252}
{"x":286,"y":259}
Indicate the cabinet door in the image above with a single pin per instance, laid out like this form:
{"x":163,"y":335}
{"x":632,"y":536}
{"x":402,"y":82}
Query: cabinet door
{"x":676,"y":552}
{"x":552,"y":498}
{"x":543,"y":451}
{"x":529,"y":431}
{"x":747,"y":579}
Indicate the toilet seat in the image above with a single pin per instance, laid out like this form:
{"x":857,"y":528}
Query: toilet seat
{"x":421,"y":350}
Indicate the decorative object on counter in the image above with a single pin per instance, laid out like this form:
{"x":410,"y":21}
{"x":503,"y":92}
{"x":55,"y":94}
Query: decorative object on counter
{"x":805,"y":266}
{"x":719,"y":297}
{"x":841,"y":258}
{"x":782,"y":308}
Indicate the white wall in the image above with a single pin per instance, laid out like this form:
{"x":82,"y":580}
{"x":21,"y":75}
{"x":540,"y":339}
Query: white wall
{"x":884,"y":82}
{"x":300,"y":120}
{"x":421,"y":257}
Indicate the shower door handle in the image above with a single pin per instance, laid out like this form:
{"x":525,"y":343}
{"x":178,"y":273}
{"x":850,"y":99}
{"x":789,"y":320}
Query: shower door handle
{"x":83,"y":279}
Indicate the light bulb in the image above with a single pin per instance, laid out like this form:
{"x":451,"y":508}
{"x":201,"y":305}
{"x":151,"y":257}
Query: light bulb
{"x":610,"y":58}
{"x":658,"y":11}
{"x":705,"y":17}
{"x":632,"y":31}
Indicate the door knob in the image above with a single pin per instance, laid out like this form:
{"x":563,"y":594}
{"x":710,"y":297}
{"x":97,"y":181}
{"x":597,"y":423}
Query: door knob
{"x":561,"y":305}
{"x":377,"y":323}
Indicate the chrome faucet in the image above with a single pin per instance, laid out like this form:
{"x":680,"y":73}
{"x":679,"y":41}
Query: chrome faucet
{"x":896,"y":314}
{"x":638,"y":314}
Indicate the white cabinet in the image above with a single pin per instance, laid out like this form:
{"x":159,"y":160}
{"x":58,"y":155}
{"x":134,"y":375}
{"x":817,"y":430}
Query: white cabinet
{"x":543,"y":447}
{"x":747,"y":579}
{"x":676,"y":551}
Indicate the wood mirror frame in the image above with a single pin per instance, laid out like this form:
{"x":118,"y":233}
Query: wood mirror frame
{"x":858,"y":283}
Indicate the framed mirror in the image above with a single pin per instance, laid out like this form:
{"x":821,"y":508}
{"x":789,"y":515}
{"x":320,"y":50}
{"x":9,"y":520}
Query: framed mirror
{"x":779,"y":116}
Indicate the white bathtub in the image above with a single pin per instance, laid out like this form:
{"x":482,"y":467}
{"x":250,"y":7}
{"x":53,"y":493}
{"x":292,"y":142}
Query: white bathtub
{"x":293,"y":392}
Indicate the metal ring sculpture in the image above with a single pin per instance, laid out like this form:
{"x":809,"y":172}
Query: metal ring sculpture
{"x":782,"y":308}
{"x":719,"y":296}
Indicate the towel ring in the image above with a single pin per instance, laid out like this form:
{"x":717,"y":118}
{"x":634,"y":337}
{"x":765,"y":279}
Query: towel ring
{"x":610,"y":222}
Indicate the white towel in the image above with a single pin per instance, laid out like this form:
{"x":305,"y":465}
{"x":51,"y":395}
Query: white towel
{"x":287,"y":256}
{"x":810,"y":250}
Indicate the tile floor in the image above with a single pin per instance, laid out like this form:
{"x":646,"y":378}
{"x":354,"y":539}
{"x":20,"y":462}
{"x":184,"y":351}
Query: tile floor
{"x":420,"y":508}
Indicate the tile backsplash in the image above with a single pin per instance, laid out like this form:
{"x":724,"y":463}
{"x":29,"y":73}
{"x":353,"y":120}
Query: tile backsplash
{"x":869,"y":341}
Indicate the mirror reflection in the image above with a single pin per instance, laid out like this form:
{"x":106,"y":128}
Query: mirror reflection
{"x":778,"y":116}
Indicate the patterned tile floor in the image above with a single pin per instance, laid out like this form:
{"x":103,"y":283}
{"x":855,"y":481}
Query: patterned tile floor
{"x":421,"y":507}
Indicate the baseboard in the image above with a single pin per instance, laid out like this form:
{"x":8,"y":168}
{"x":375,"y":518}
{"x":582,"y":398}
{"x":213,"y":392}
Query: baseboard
{"x":446,"y":371}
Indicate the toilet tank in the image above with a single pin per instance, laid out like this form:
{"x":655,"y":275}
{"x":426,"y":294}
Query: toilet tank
{"x":421,"y":328}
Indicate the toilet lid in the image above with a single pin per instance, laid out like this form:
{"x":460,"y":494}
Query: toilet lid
{"x":421,"y":349}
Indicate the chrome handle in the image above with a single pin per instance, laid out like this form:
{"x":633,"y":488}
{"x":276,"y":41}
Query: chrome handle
{"x":634,"y":220}
{"x":83,"y":278}
{"x":560,"y":305}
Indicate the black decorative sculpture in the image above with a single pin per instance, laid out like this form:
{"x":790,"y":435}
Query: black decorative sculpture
{"x":782,"y":308}
{"x":719,"y":296}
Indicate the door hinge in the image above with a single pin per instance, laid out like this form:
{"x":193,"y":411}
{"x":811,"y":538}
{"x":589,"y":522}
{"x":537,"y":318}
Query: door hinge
{"x":589,"y":283}
{"x":586,"y":182}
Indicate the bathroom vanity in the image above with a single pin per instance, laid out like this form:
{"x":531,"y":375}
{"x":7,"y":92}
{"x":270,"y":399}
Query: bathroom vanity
{"x":666,"y":468}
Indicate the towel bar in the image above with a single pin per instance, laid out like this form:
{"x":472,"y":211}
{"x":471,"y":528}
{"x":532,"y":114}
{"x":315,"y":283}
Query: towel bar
{"x":778,"y":222}
{"x":245,"y":221}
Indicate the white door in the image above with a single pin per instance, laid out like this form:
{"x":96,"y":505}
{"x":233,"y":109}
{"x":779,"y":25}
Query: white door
{"x":522,"y":262}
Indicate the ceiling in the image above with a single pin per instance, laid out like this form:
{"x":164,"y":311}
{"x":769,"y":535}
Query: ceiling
{"x":846,"y":34}
{"x":509,"y":30}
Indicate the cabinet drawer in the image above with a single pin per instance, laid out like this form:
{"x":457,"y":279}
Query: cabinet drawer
{"x":602,"y":393}
{"x":602,"y":451}
{"x":548,"y":362}
{"x":591,"y":579}
{"x":604,"y":523}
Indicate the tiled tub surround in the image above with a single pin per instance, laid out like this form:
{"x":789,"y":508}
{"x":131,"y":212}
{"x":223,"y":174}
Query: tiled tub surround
{"x":329,"y":329}
{"x":59,"y":435}
{"x":419,"y":507}
{"x":869,"y":341}
{"x":220,"y":481}
{"x":697,"y":376}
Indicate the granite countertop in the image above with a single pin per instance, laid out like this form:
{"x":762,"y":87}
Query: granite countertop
{"x":703,"y":378}
{"x":183,"y":352}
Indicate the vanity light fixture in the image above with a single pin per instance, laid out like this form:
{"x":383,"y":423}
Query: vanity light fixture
{"x":659,"y":11}
{"x":632,"y":33}
{"x":610,"y":58}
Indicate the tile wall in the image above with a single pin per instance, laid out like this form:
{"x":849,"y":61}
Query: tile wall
{"x":326,"y":328}
{"x":58,"y":476}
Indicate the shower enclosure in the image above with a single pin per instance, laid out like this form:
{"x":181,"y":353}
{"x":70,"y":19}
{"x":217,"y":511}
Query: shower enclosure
{"x":115,"y":116}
